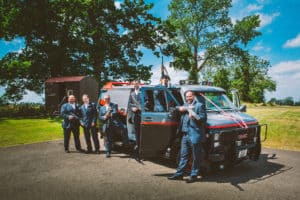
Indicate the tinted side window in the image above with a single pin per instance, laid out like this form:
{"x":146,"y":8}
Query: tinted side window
{"x":155,"y":101}
{"x":176,"y":93}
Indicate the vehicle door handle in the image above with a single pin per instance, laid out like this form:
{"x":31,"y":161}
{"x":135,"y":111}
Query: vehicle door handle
{"x":148,"y":119}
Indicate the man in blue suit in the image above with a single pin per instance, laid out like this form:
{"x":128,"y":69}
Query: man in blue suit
{"x":192,"y":129}
{"x":88,"y":122}
{"x":71,"y":113}
{"x":109,"y":117}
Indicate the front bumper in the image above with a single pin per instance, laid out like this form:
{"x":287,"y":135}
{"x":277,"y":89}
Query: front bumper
{"x":236,"y":144}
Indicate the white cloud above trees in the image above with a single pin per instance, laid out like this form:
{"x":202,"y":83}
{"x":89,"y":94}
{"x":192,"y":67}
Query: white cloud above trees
{"x":293,"y":43}
{"x":287,"y":76}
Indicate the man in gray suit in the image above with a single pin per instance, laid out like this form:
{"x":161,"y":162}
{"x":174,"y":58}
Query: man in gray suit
{"x":71,"y":114}
{"x":135,"y":108}
{"x":192,"y":129}
{"x":88,"y":122}
{"x":109,"y":117}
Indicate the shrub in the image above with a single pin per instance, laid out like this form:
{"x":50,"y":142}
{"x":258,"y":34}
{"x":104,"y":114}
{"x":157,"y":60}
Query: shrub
{"x":23,"y":110}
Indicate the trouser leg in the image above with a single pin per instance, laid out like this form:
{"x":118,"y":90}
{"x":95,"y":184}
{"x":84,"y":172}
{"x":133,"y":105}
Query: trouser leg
{"x":124,"y":134}
{"x":87,"y":136}
{"x":196,"y":151}
{"x":95,"y":138}
{"x":108,"y":141}
{"x":67,"y":133}
{"x":184,"y":155}
{"x":137,"y":125}
{"x":76,"y":132}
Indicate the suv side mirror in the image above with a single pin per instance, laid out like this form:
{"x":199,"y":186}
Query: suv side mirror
{"x":236,"y":98}
{"x":243,"y":108}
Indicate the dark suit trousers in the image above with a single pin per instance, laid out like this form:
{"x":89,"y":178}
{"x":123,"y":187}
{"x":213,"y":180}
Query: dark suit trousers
{"x":137,"y":127}
{"x":108,"y":142}
{"x":67,"y":134}
{"x":88,"y":131}
{"x":188,"y":149}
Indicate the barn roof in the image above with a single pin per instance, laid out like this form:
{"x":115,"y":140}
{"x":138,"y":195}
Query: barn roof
{"x":65,"y":79}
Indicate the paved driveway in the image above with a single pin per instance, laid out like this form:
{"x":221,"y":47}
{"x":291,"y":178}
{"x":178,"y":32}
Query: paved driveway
{"x":44,"y":171}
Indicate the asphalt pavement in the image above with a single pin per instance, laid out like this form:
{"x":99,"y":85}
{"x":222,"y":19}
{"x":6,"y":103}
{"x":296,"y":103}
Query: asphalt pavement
{"x":45,"y":171}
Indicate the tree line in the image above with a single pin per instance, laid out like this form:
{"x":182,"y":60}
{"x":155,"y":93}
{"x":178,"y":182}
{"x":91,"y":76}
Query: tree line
{"x":288,"y":101}
{"x":98,"y":38}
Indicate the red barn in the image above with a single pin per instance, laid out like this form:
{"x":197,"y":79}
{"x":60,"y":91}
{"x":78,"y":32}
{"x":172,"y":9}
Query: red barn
{"x":58,"y":88}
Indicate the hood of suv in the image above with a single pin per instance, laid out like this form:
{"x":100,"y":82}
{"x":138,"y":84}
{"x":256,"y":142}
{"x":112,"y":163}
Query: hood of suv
{"x":219,"y":120}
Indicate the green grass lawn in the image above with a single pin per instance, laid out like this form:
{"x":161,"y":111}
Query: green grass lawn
{"x":24,"y":131}
{"x":283,"y":125}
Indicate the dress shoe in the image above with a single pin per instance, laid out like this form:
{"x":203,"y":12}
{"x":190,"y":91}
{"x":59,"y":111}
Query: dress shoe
{"x":67,"y":151}
{"x":88,"y":151}
{"x":107,"y":155}
{"x":81,"y":150}
{"x":175,"y":177}
{"x":97,"y":152}
{"x":191,"y":179}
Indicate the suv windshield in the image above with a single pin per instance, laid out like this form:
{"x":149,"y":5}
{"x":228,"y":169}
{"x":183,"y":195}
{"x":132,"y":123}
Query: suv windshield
{"x":218,"y":99}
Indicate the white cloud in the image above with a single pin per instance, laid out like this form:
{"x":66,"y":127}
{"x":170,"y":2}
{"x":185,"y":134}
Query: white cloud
{"x":242,"y":9}
{"x":118,"y":4}
{"x":286,"y":67}
{"x":295,"y":42}
{"x":259,"y":47}
{"x":175,"y":75}
{"x":32,"y":97}
{"x":287,"y":76}
{"x":266,"y":19}
{"x":253,"y":7}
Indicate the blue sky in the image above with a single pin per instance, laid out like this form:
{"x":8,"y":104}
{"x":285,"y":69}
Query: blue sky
{"x":279,"y":43}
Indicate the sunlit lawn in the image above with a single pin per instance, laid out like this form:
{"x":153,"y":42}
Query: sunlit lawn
{"x":24,"y":131}
{"x":283,"y":128}
{"x":283,"y":123}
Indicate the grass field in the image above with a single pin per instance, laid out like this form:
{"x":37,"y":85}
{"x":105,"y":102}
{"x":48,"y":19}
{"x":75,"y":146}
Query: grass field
{"x":24,"y":131}
{"x":283,"y":124}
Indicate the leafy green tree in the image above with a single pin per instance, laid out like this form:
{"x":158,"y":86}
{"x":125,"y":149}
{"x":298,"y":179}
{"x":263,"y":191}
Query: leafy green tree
{"x":288,"y":101}
{"x":251,"y":78}
{"x":222,"y":78}
{"x":272,"y":101}
{"x":79,"y":37}
{"x":205,"y":34}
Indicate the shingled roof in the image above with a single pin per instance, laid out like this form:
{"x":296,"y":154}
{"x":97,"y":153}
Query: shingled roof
{"x":65,"y":79}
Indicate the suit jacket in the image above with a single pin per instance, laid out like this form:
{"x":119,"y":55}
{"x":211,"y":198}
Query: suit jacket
{"x":135,"y":100}
{"x":88,"y":115}
{"x":196,"y":128}
{"x":67,"y":110}
{"x":112,"y":121}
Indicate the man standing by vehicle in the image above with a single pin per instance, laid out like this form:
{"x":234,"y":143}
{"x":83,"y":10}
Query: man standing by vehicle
{"x":191,"y":127}
{"x":164,"y":81}
{"x":135,"y":106}
{"x":108,"y":115}
{"x":70,"y":112}
{"x":88,"y":122}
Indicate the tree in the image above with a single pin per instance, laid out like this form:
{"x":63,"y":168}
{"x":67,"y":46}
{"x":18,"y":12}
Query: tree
{"x":288,"y":101}
{"x":222,"y":78}
{"x":80,"y":37}
{"x":205,"y":34}
{"x":251,"y":78}
{"x":272,"y":101}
